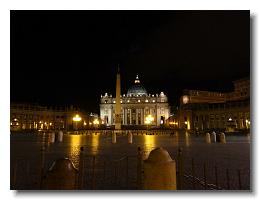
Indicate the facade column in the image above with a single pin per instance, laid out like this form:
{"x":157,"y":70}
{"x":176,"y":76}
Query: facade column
{"x":123,"y":116}
{"x":139,"y":111}
{"x":136,"y":116}
{"x":130,"y":115}
{"x":153,"y":114}
{"x":142,"y":116}
{"x":111,"y":117}
{"x":156,"y":117}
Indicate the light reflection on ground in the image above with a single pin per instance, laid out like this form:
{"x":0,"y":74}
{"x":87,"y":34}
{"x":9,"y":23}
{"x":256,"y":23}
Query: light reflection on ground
{"x":235,"y":153}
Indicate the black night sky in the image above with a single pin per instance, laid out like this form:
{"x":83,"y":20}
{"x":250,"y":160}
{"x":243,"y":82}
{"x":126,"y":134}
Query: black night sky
{"x":71,"y":57}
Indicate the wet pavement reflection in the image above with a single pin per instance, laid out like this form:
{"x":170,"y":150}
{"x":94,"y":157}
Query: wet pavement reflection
{"x":235,"y":151}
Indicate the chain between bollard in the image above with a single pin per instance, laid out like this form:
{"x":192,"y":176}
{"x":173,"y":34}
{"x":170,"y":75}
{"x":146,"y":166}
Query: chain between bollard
{"x":42,"y":165}
{"x":81,"y":168}
{"x":139,"y":168}
{"x":193,"y":173}
{"x":180,"y":169}
{"x":239,"y":179}
{"x":228,"y":184}
{"x":93,"y":172}
{"x":216,"y":176}
{"x":127,"y":172}
{"x":205,"y":176}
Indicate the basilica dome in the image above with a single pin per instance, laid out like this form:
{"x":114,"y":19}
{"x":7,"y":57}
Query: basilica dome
{"x":137,"y":89}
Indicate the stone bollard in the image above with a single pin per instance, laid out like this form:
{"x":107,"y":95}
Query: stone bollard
{"x":214,"y":137}
{"x":52,"y":137}
{"x":60,"y":136}
{"x":222,"y":138}
{"x":130,"y":137}
{"x":62,"y":175}
{"x":208,"y":138}
{"x":113,"y":137}
{"x":159,"y":171}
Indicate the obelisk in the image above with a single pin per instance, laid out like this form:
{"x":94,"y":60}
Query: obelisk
{"x":118,"y":103}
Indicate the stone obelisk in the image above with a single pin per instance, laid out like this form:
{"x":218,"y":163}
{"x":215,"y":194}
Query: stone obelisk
{"x":118,"y":103}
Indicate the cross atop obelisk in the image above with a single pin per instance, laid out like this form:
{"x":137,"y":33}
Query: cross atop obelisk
{"x":118,"y":103}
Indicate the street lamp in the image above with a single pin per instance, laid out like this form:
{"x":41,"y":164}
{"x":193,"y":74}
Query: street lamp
{"x":247,"y":123}
{"x":96,"y":122}
{"x":148,"y":120}
{"x":76,"y":119}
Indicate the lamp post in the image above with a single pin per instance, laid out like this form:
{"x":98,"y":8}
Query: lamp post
{"x":247,"y":123}
{"x":96,"y":123}
{"x":76,"y":119}
{"x":148,"y":120}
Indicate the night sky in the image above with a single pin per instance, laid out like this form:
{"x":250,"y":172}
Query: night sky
{"x":71,"y":57}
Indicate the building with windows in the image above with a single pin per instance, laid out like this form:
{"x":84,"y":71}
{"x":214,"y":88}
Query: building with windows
{"x":24,"y":116}
{"x":138,"y":108}
{"x":201,"y":110}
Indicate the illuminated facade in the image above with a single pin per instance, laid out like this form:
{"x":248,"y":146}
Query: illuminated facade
{"x":136,"y":106}
{"x":202,"y":110}
{"x":36,"y":117}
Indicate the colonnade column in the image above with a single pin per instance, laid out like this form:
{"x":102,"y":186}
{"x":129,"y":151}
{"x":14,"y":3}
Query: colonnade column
{"x":156,"y":115}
